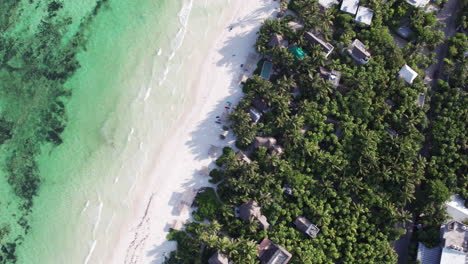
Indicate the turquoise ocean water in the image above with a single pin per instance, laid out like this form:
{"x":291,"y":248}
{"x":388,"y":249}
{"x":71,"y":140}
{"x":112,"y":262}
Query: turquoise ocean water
{"x":85,"y":87}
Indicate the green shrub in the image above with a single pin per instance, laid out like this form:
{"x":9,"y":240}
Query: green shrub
{"x":216,"y":176}
{"x":208,"y":204}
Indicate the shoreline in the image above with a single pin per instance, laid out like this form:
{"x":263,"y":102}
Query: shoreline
{"x":144,"y":239}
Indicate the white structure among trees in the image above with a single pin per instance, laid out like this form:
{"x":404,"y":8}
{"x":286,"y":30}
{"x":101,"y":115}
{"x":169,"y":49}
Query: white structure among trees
{"x":407,"y":74}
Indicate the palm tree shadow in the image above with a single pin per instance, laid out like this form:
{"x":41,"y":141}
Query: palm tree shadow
{"x":232,"y":57}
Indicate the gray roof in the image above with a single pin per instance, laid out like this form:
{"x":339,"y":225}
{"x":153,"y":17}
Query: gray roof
{"x":327,"y":47}
{"x":359,"y":52}
{"x":251,"y":209}
{"x":276,"y":40}
{"x":428,"y":255}
{"x":404,"y":31}
{"x":304,"y":225}
{"x":270,"y":253}
{"x":241,"y":155}
{"x":364,"y":15}
{"x":218,"y":258}
{"x":455,"y":236}
{"x":267,"y":142}
{"x":331,"y":76}
{"x":391,"y":132}
{"x":350,"y":6}
{"x":260,"y":105}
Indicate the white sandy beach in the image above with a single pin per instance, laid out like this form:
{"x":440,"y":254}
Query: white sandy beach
{"x":176,"y":170}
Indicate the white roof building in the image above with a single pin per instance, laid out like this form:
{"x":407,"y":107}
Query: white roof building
{"x":450,"y":256}
{"x":350,"y":6}
{"x":456,"y":209}
{"x":328,"y":3}
{"x":364,"y":15}
{"x":407,"y":74}
{"x":418,"y":3}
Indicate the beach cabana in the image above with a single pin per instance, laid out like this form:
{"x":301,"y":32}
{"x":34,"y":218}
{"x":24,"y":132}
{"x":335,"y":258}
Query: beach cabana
{"x":298,"y":53}
{"x":276,"y":40}
{"x":407,"y":74}
{"x":364,"y":15}
{"x":350,"y":6}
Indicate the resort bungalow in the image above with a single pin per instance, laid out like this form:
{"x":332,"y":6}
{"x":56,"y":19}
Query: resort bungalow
{"x":364,"y":15}
{"x":407,"y":74}
{"x":350,"y":6}
{"x":241,"y":156}
{"x":326,"y":4}
{"x":305,"y":226}
{"x":250,"y":210}
{"x":260,"y":105}
{"x":327,"y":47}
{"x":298,"y":53}
{"x":332,"y":76}
{"x":276,"y":40}
{"x":455,"y":243}
{"x":255,"y":115}
{"x":270,"y":253}
{"x":295,"y":26}
{"x":358,"y":51}
{"x":269,"y":143}
{"x":218,"y":258}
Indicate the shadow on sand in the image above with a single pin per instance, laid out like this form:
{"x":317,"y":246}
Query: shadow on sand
{"x":208,"y":130}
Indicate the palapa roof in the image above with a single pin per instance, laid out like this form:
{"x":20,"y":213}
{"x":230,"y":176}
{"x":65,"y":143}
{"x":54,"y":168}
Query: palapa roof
{"x":350,"y":6}
{"x":251,"y":209}
{"x":266,"y":142}
{"x":270,"y":253}
{"x":364,"y":15}
{"x":327,"y":47}
{"x":295,"y":26}
{"x":218,"y":258}
{"x":407,"y":74}
{"x":260,"y":105}
{"x":241,"y":155}
{"x":276,"y":40}
{"x":304,"y":225}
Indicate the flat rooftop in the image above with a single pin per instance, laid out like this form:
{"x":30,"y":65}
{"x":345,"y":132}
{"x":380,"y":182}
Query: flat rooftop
{"x":350,"y":6}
